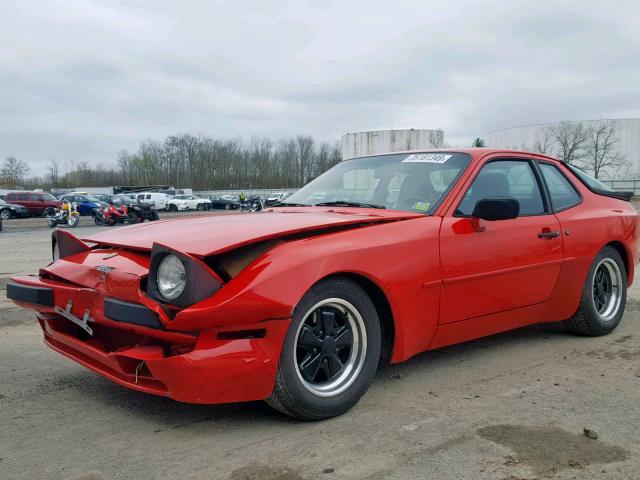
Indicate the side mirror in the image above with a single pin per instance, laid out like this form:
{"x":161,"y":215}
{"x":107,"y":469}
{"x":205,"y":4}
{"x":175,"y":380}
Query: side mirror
{"x":499,"y":208}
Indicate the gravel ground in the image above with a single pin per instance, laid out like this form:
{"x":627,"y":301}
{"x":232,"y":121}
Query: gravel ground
{"x":513,"y":406}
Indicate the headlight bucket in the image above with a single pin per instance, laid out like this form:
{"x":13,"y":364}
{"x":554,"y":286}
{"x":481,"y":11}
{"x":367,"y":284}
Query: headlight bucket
{"x":66,"y":244}
{"x":200,"y":281}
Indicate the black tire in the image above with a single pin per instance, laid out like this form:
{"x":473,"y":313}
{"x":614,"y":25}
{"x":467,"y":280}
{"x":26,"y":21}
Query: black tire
{"x":6,"y":214}
{"x":589,"y":319}
{"x":227,"y":206}
{"x":200,"y":207}
{"x":290,"y":395}
{"x":173,"y":208}
{"x":154,"y":216}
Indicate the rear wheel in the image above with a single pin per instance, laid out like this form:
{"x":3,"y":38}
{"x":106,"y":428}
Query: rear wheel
{"x":604,"y":296}
{"x":330,"y":353}
{"x":173,"y":208}
{"x":200,"y":207}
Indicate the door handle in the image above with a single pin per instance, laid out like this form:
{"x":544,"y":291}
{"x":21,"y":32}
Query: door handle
{"x":546,"y":233}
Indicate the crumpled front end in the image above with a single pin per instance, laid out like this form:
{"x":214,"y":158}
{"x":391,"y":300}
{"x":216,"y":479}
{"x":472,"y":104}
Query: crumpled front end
{"x":93,"y":308}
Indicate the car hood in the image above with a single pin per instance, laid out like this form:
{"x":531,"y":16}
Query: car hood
{"x":12,"y":206}
{"x":208,"y":235}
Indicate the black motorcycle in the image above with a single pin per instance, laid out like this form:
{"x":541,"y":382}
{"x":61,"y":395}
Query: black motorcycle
{"x":252,"y":204}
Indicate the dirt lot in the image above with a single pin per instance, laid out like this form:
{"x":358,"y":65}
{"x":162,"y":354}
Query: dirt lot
{"x":513,"y":406}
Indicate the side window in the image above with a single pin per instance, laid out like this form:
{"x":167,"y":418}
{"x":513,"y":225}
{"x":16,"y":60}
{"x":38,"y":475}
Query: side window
{"x":505,"y":178}
{"x":563,"y":194}
{"x":148,"y":196}
{"x":23,"y":197}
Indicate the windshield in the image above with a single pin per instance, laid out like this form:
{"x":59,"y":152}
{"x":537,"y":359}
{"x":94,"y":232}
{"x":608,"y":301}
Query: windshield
{"x":410,"y":182}
{"x":2,"y":202}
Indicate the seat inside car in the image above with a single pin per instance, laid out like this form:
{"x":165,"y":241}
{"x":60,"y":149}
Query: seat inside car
{"x":486,"y":185}
{"x":414,"y":189}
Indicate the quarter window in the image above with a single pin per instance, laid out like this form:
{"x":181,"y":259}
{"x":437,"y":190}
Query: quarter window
{"x":505,"y":178}
{"x":563,"y":194}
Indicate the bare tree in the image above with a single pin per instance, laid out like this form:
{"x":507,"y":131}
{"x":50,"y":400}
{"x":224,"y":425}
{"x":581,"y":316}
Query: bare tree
{"x":436,"y":138}
{"x":571,"y":140}
{"x":544,"y":142}
{"x":601,"y":149}
{"x":14,"y":171}
{"x":54,"y":172}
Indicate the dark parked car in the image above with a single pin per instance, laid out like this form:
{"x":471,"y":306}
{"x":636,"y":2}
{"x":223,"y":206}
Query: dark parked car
{"x":226,"y":202}
{"x":37,"y":203}
{"x":9,"y":210}
{"x":85,"y":202}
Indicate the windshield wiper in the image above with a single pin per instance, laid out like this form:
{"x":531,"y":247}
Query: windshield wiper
{"x":345,"y":203}
{"x":287,"y":204}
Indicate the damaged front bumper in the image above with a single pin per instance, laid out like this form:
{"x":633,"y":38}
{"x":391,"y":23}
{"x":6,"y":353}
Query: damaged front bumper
{"x":128,"y":343}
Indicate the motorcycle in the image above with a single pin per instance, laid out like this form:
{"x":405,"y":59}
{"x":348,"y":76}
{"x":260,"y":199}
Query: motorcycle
{"x":110,"y":214}
{"x":252,"y":204}
{"x":68,"y":214}
{"x":138,"y":211}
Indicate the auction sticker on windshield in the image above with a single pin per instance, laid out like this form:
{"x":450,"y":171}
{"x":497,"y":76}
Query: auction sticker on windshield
{"x":427,"y":158}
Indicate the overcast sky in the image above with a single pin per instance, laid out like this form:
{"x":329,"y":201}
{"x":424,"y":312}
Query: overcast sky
{"x":84,"y":79}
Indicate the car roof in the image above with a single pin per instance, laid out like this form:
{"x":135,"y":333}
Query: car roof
{"x":476,"y":153}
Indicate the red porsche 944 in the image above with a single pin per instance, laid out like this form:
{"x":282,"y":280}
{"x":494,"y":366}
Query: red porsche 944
{"x":380,"y":258}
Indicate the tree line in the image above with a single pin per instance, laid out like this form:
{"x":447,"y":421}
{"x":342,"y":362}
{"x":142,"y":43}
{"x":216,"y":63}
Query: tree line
{"x":198,"y":162}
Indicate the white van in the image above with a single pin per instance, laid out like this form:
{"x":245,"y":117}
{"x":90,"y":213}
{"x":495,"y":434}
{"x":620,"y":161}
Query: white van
{"x":159,"y":200}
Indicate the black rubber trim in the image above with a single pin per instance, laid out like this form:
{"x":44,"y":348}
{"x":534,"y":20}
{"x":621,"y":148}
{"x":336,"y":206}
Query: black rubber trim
{"x":130,"y":313}
{"x":29,"y":294}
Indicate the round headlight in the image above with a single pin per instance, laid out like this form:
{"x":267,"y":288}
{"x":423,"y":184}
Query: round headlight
{"x":171,"y":277}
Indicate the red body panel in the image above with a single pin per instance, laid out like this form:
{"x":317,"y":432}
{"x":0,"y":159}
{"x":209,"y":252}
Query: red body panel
{"x":445,"y":281}
{"x":201,"y":236}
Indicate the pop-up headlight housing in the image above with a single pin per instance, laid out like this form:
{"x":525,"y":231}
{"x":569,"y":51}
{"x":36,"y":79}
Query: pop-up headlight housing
{"x":179,"y":279}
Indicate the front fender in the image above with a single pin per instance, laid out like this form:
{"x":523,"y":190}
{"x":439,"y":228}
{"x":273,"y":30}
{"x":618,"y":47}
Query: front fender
{"x":401,"y":258}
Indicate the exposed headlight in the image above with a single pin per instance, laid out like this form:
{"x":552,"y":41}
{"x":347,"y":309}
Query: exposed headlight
{"x":171,"y":277}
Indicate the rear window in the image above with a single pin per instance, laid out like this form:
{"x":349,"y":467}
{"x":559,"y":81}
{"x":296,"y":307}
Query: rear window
{"x":588,"y":180}
{"x":596,"y":186}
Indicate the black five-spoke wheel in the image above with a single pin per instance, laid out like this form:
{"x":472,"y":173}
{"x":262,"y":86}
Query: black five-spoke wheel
{"x":330,"y":347}
{"x":330,"y":353}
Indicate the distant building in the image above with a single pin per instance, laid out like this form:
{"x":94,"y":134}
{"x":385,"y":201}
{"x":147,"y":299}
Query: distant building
{"x":385,"y":141}
{"x":628,"y":133}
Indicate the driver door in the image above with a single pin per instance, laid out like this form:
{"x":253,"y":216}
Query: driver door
{"x":512,"y":263}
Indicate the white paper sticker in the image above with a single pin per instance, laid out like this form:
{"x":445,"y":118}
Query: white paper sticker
{"x":427,"y":158}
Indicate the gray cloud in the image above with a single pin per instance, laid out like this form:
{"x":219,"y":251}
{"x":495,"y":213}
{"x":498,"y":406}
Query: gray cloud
{"x":83,"y":79}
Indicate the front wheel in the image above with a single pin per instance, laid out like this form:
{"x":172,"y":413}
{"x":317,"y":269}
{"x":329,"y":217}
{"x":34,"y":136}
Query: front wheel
{"x":604,"y":296}
{"x":200,"y":207}
{"x":51,"y":222}
{"x":330,"y":353}
{"x":73,"y":220}
{"x":5,"y":214}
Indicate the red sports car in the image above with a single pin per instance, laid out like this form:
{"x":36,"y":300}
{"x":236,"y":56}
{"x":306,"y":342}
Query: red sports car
{"x":381,"y":257}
